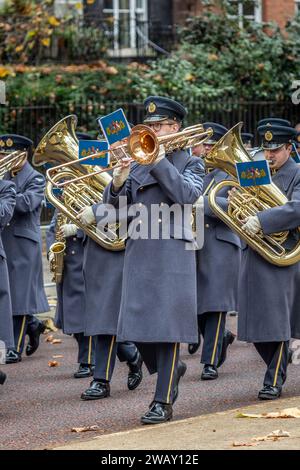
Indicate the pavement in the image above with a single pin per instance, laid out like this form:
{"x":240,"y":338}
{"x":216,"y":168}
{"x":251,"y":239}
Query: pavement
{"x":217,"y":431}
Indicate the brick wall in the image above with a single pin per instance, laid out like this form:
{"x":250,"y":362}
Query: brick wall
{"x":273,"y":10}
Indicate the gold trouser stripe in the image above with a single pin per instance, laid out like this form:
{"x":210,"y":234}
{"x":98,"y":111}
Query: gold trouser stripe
{"x":278,"y":365}
{"x":21,"y":333}
{"x":109,"y":357}
{"x":90,"y":350}
{"x":216,"y":339}
{"x":172,"y":373}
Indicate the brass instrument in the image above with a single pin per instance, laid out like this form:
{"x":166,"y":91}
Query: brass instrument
{"x":142,"y":147}
{"x":12,"y":162}
{"x":60,"y":145}
{"x":58,"y":249}
{"x":248,"y":201}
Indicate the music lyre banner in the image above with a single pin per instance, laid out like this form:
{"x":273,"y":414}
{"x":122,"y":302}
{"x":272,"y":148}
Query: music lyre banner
{"x":253,"y":173}
{"x":295,"y":154}
{"x":90,"y":147}
{"x":114,"y":126}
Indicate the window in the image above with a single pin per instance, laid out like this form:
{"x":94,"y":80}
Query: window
{"x":297,"y":5}
{"x":248,"y":9}
{"x":127,"y":17}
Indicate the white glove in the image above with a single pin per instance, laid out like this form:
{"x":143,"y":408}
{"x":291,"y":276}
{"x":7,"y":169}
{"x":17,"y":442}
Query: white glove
{"x":161,"y":154}
{"x":68,"y":230}
{"x":252,"y":225}
{"x":120,"y":175}
{"x":86,"y":216}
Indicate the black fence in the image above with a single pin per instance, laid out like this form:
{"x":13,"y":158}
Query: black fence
{"x":35,"y":121}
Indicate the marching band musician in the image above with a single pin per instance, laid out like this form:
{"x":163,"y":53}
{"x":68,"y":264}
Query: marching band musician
{"x":103,"y":270}
{"x":7,"y":204}
{"x":158,"y":304}
{"x":265,"y":313}
{"x":218,"y":265}
{"x":70,"y":309}
{"x":23,"y":246}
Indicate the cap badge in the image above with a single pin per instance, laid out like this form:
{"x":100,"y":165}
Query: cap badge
{"x":9,"y":143}
{"x":2,"y":143}
{"x":268,"y":136}
{"x":152,"y":107}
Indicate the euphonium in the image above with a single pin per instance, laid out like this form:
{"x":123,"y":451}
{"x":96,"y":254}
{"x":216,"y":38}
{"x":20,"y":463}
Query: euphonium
{"x":248,"y":201}
{"x":57,"y":249}
{"x":60,"y":145}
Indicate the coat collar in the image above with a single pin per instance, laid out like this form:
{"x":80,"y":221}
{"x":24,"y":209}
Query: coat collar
{"x":23,"y":175}
{"x":285,"y":174}
{"x":142,"y":173}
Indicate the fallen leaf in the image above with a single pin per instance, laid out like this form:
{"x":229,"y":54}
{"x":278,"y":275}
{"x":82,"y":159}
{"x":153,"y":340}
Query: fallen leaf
{"x":286,"y":413}
{"x":49,"y":324}
{"x":59,"y":356}
{"x":244,"y":444}
{"x":273,"y":436}
{"x":49,"y":339}
{"x":56,"y":341}
{"x":53,"y":364}
{"x":85,"y":429}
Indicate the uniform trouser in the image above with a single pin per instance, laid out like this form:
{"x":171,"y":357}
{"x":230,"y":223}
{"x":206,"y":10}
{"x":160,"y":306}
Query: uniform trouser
{"x":275,"y":355}
{"x":20,"y":326}
{"x":86,"y":349}
{"x":161,"y":358}
{"x":212,"y":326}
{"x":106,"y":352}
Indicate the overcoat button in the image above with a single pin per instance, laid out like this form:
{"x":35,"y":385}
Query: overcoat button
{"x":206,"y":225}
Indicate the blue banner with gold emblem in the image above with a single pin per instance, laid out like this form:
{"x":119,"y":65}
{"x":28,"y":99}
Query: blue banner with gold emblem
{"x":253,"y":173}
{"x":90,"y":147}
{"x":114,"y":126}
{"x":295,"y":154}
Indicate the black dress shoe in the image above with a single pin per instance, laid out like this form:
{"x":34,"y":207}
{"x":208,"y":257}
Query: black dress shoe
{"x":135,"y":374}
{"x":2,"y":377}
{"x":34,"y":339}
{"x":96,"y":391}
{"x":227,"y":340}
{"x":84,"y":370}
{"x":193,"y":347}
{"x":209,"y":372}
{"x":181,"y":370}
{"x":12,"y":357}
{"x":268,"y":392}
{"x":158,"y":413}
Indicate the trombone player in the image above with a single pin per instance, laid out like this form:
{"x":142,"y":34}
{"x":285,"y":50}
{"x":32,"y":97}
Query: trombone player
{"x":266,"y":311}
{"x":158,"y":303}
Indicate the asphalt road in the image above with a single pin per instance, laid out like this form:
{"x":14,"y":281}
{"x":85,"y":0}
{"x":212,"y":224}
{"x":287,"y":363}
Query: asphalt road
{"x":39,"y":405}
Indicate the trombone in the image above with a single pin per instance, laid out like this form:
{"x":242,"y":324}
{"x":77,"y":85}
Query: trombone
{"x":142,"y":147}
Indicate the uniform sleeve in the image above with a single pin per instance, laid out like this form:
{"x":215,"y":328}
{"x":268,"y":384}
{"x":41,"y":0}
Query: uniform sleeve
{"x":51,"y":232}
{"x":221,"y":200}
{"x":111,"y":197}
{"x":183,"y":188}
{"x":286,"y":217}
{"x":33,"y":195}
{"x":7,"y":202}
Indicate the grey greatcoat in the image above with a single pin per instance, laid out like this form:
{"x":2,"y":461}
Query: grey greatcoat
{"x":23,"y":245}
{"x":7,"y":204}
{"x":158,"y":301}
{"x":102,"y":270}
{"x":70,"y":310}
{"x":218,"y":263}
{"x":267,"y":303}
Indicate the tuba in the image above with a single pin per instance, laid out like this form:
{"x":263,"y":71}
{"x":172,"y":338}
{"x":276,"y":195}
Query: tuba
{"x":60,"y":146}
{"x":248,"y":201}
